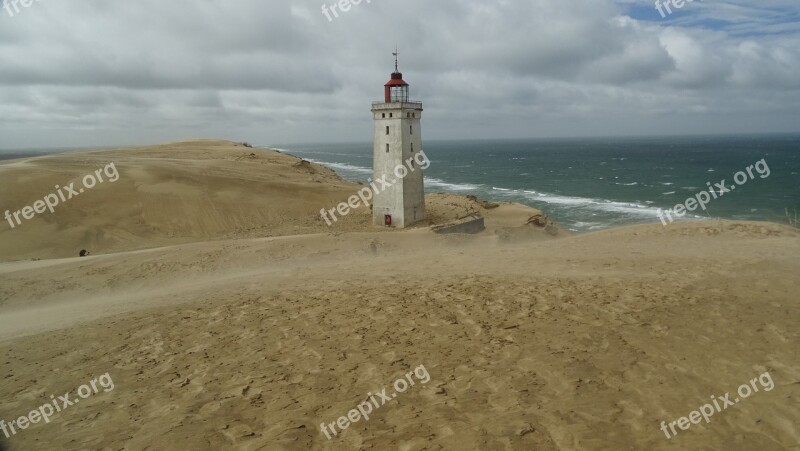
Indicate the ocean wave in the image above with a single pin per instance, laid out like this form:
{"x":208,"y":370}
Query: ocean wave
{"x":603,"y":205}
{"x":579,"y":226}
{"x":451,"y":186}
{"x":273,"y":148}
{"x":343,"y":166}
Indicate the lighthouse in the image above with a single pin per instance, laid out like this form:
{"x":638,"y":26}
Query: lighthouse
{"x":397,"y":141}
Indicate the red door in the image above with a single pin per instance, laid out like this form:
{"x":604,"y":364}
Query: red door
{"x":388,"y":220}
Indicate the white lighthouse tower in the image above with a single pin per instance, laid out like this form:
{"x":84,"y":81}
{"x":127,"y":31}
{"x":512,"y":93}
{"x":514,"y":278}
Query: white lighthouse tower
{"x":397,"y":140}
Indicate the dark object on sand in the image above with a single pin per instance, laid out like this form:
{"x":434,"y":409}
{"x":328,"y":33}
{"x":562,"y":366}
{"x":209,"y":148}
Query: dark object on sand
{"x":84,"y":253}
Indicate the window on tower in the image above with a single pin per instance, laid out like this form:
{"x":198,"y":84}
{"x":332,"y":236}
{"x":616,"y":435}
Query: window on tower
{"x":387,"y":129}
{"x":387,"y":148}
{"x":399,"y":94}
{"x":412,"y":129}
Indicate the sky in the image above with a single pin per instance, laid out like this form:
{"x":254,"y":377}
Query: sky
{"x":106,"y":73}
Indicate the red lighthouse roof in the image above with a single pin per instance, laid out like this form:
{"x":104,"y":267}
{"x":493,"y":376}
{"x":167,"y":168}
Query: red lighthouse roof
{"x":397,"y":80}
{"x":396,"y":90}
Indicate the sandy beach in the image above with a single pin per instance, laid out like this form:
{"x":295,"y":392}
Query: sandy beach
{"x":230,"y":316}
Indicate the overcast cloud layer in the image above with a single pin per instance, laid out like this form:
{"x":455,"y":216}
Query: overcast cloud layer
{"x":91,"y":72}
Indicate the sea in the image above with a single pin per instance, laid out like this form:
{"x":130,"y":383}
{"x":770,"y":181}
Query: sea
{"x":590,"y":184}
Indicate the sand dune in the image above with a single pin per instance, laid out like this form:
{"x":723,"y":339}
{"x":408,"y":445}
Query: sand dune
{"x":187,"y":192}
{"x":230,"y":317}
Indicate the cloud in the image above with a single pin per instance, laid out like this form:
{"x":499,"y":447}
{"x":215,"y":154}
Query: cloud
{"x":107,"y":73}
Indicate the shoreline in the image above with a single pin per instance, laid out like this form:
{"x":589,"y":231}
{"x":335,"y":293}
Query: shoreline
{"x":480,"y":193}
{"x":358,"y":175}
